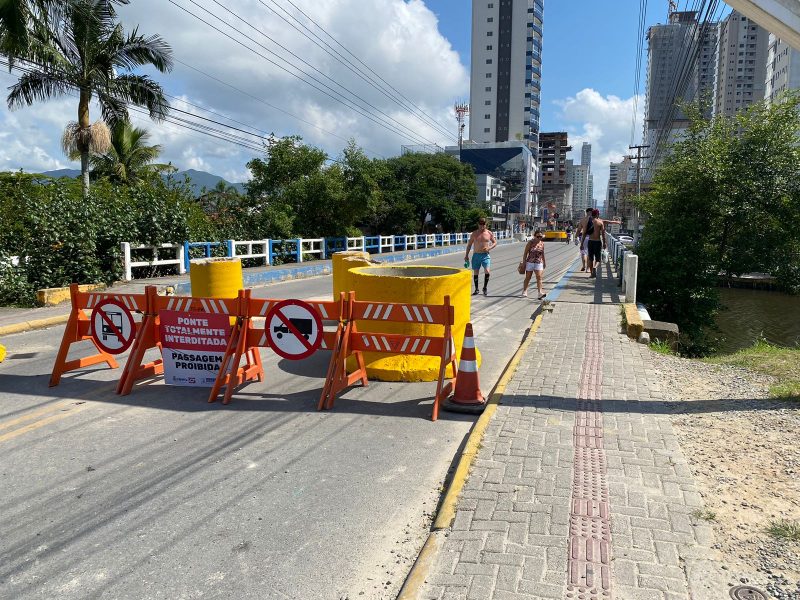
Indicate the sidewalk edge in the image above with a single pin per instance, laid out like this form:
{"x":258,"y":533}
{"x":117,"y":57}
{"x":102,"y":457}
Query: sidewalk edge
{"x":444,"y":518}
{"x":34,"y":324}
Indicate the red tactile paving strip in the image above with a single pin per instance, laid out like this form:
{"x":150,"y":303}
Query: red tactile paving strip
{"x":589,"y":550}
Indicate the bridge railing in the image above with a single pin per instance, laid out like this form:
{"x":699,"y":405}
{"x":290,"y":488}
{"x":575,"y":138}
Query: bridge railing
{"x":269,"y":252}
{"x":626,"y":263}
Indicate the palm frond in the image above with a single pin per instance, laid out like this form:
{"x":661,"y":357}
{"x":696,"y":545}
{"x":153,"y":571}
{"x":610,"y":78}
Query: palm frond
{"x":140,"y":90}
{"x":35,"y":86}
{"x":138,"y":50}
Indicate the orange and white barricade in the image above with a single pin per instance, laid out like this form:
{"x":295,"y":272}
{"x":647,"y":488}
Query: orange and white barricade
{"x":150,"y":336}
{"x":79,"y":328}
{"x":355,"y":342}
{"x":247,"y":339}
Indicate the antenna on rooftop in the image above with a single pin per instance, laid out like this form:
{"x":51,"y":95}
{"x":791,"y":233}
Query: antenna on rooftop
{"x":462,"y":110}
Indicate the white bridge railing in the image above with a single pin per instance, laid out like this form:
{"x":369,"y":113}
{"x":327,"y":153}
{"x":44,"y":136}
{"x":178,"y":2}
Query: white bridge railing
{"x":295,"y":250}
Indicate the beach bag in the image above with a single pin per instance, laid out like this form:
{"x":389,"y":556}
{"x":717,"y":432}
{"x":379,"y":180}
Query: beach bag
{"x":605,"y":256}
{"x":521,"y":268}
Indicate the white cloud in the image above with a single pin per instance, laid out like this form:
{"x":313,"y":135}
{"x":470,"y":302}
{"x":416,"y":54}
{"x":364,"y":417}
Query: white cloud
{"x":398,"y":39}
{"x":604,"y":122}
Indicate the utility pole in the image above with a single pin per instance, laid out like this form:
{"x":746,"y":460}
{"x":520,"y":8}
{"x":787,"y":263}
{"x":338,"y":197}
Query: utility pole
{"x":638,"y":158}
{"x":462,"y":110}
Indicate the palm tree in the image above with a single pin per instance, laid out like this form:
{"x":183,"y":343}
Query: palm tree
{"x":81,"y":48}
{"x":128,"y":158}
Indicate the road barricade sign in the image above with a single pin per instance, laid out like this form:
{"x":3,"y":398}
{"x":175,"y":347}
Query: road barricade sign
{"x":113,"y":327}
{"x":192,"y":346}
{"x":353,"y":343}
{"x":294,"y":329}
{"x":121,"y":329}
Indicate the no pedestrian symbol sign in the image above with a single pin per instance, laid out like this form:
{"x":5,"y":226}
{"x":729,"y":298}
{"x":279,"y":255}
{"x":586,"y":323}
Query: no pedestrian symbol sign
{"x":113,"y":328}
{"x":294,"y":329}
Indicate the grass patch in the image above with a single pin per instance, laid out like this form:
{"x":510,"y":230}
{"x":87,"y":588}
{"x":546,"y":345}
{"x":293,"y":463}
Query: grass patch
{"x":703,"y":514}
{"x":763,"y":357}
{"x":661,"y":347}
{"x":784,"y":530}
{"x":624,"y":316}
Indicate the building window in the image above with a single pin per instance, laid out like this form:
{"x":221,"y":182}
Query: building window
{"x":487,"y":103}
{"x":488,"y":61}
{"x":489,"y":75}
{"x":487,"y":116}
{"x":491,"y":5}
{"x":489,"y":34}
{"x":489,"y":47}
{"x":490,"y":19}
{"x":488,"y":88}
{"x":486,"y":129}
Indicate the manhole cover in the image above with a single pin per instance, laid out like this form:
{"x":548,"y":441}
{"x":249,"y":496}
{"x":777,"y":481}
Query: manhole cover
{"x":747,"y":592}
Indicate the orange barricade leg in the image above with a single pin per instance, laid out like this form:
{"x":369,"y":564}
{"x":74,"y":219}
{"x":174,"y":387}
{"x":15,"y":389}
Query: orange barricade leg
{"x":147,"y":337}
{"x":77,"y":330}
{"x":448,"y":358}
{"x":230,"y":373}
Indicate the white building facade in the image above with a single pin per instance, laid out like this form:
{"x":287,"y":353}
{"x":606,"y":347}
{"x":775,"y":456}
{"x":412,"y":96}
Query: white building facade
{"x":783,"y":69}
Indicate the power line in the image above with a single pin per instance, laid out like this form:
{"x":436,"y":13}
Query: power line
{"x":416,"y":110}
{"x":303,"y":61}
{"x":638,"y":71}
{"x":332,"y":94}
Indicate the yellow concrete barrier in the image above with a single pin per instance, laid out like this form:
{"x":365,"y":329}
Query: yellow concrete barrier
{"x":342,"y":263}
{"x":53,"y":296}
{"x":412,"y":285}
{"x":2,"y":353}
{"x":634,"y":320}
{"x":555,"y":235}
{"x":216,"y":277}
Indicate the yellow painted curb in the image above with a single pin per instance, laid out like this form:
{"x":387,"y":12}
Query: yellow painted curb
{"x":635,"y":323}
{"x":34,"y":324}
{"x":53,"y":296}
{"x":422,"y":566}
{"x":2,"y":353}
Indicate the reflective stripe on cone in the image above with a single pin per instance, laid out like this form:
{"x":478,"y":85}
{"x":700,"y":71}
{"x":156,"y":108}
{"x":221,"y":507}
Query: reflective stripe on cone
{"x":468,"y":386}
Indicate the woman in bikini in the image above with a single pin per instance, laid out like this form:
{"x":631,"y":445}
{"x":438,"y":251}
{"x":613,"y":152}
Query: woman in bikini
{"x":534,"y":260}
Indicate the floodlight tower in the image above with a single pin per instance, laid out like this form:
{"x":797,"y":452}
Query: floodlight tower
{"x":462,"y":110}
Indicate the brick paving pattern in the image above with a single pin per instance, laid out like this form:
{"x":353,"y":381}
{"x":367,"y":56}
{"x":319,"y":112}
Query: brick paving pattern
{"x":579,"y":476}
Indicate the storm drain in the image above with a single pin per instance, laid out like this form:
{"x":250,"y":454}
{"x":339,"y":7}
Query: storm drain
{"x":747,"y":592}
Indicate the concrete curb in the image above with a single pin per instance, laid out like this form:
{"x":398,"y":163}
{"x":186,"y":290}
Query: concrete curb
{"x":446,"y":515}
{"x":635,"y":325}
{"x":33,"y":324}
{"x":55,"y":296}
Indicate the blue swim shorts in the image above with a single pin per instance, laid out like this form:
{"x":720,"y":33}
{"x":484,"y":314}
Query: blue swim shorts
{"x":481,"y":259}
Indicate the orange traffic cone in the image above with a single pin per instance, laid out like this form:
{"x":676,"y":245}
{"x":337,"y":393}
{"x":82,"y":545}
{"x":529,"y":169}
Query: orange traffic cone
{"x":467,"y":396}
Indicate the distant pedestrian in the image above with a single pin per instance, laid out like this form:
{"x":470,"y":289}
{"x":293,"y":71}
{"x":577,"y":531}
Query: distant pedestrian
{"x":535,"y":263}
{"x":597,"y":242}
{"x":484,"y":242}
{"x":569,"y":233}
{"x":583,"y":239}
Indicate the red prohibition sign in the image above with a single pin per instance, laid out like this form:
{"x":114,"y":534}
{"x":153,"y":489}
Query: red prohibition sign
{"x":310,"y":339}
{"x":110,"y":328}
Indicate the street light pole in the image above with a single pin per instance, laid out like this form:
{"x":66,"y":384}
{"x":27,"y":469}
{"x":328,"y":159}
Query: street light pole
{"x":639,"y":158}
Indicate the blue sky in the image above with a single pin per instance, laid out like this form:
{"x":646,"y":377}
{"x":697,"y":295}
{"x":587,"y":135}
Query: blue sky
{"x":421,"y":47}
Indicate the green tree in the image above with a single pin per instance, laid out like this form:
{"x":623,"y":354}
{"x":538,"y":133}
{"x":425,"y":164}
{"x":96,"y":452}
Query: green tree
{"x":725,"y":201}
{"x":82,"y":48}
{"x":128,"y":158}
{"x":436,"y":189}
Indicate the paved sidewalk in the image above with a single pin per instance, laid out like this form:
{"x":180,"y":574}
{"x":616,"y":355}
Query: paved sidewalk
{"x":580,"y":490}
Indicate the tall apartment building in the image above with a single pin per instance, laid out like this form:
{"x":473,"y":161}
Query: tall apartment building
{"x":578,"y":176}
{"x":668,"y":46}
{"x":506,"y":71}
{"x":612,"y":192}
{"x":741,"y":64}
{"x":555,"y":187}
{"x":586,"y":155}
{"x":782,"y":69}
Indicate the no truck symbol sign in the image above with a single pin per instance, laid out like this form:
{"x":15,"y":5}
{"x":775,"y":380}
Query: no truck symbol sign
{"x":113,"y":328}
{"x":294,"y":329}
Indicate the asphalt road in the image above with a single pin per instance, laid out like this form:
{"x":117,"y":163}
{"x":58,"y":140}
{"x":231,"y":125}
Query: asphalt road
{"x":161,"y":495}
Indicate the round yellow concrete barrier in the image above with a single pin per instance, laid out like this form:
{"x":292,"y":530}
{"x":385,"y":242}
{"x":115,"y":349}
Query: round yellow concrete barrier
{"x":412,"y":285}
{"x":342,"y":263}
{"x":216,"y":277}
{"x":2,"y":353}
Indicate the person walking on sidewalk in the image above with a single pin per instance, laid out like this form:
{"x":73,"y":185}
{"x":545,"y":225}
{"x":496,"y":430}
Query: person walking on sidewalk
{"x":535,"y":263}
{"x":597,"y":242}
{"x":484,"y":242}
{"x":582,"y":238}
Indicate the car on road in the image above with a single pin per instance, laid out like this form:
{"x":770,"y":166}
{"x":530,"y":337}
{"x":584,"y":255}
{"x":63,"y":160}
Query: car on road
{"x":625,"y":239}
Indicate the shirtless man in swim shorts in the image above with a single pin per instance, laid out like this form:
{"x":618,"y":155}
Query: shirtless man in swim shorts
{"x":484,"y":242}
{"x":579,"y":232}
